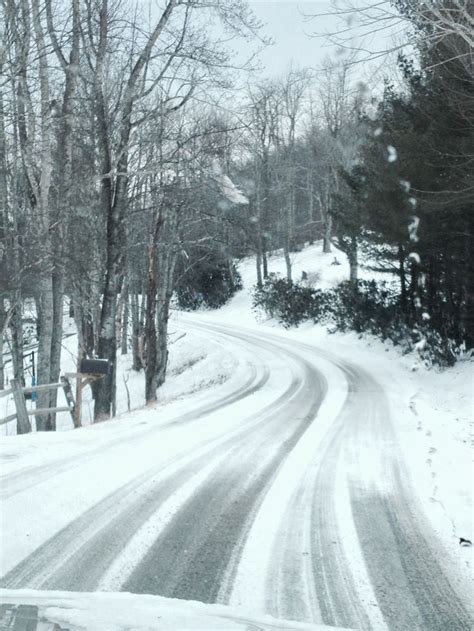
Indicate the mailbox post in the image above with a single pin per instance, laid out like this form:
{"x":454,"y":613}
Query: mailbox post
{"x":94,"y":367}
{"x":89,"y":370}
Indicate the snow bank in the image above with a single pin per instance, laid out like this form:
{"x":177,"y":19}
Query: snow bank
{"x":131,"y":612}
{"x":194,"y":366}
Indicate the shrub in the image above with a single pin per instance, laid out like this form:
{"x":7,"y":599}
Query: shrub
{"x":368,"y":307}
{"x":208,"y":284}
{"x":291,"y":303}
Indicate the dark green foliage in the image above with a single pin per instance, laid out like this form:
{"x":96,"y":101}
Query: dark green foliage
{"x":289,"y":302}
{"x":369,"y":307}
{"x":207,"y":284}
{"x":429,"y":131}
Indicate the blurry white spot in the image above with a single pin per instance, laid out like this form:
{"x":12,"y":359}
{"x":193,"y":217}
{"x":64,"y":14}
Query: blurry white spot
{"x":421,"y":345}
{"x":413,"y":228}
{"x":414,"y":257}
{"x":425,"y":316}
{"x":412,"y":201}
{"x":227,"y":187}
{"x":377,"y":131}
{"x":392,"y":153}
{"x":405,"y":184}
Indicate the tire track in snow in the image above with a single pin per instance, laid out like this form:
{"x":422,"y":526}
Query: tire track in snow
{"x":25,"y":479}
{"x":399,"y":550}
{"x":199,"y":551}
{"x":398,"y":580}
{"x":222,"y":511}
{"x":89,"y":545}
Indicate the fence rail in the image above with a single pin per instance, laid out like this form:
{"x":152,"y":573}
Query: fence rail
{"x":7,"y":419}
{"x":22,"y":413}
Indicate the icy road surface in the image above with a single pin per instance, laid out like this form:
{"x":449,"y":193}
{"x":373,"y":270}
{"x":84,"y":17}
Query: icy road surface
{"x":282,"y":492}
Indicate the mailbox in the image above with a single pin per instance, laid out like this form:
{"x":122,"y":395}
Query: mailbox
{"x":95,"y":367}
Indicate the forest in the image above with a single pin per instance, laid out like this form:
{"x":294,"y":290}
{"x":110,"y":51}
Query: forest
{"x":139,"y":161}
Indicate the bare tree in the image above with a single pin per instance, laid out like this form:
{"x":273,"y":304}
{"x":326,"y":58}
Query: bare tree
{"x":263,"y":131}
{"x":293,"y":90}
{"x":450,"y":22}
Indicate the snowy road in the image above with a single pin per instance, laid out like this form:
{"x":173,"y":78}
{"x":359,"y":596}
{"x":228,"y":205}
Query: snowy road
{"x":283,"y":492}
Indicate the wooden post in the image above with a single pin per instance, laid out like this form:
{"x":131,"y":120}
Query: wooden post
{"x":23,"y":425}
{"x":69,"y":397}
{"x":78,"y":405}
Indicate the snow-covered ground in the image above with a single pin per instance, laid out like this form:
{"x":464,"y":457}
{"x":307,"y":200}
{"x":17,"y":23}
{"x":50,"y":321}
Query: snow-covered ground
{"x":132,"y":612}
{"x":193,"y":367}
{"x":432,"y":413}
{"x":433,"y":409}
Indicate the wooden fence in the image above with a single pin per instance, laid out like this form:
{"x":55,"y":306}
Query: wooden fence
{"x":22,"y":412}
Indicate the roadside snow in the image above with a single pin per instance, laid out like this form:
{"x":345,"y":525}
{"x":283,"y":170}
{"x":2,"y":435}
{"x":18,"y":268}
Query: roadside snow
{"x":194,"y":366}
{"x":131,"y":612}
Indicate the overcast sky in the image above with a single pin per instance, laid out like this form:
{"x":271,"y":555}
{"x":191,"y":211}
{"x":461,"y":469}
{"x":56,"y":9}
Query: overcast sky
{"x":287,"y":25}
{"x":286,"y":22}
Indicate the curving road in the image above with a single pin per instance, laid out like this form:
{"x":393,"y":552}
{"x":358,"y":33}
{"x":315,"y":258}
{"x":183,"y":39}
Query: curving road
{"x":296,"y":503}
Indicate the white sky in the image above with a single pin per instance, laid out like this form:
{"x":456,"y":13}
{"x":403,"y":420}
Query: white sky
{"x":288,"y":27}
{"x":286,"y":23}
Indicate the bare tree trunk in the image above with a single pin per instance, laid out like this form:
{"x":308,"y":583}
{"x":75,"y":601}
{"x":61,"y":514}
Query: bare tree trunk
{"x":327,"y":237}
{"x":136,"y":331}
{"x":326,"y":219}
{"x":162,"y":339}
{"x":3,"y":215}
{"x":353,"y":257}
{"x":151,"y":362}
{"x":57,"y":335}
{"x":116,"y":200}
{"x":107,"y":344}
{"x":286,"y":254}
{"x":165,"y":292}
{"x":125,"y":318}
{"x":16,"y":329}
{"x":151,"y":384}
{"x":45,"y":283}
{"x":310,"y":188}
{"x":103,"y":391}
{"x":3,"y":317}
{"x":65,"y":185}
{"x":119,"y":315}
{"x":403,"y":280}
{"x":264,"y":260}
{"x":258,"y":262}
{"x":260,"y":256}
{"x":45,"y":318}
